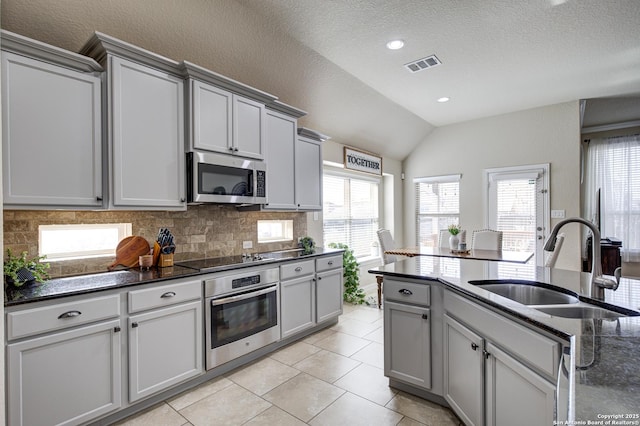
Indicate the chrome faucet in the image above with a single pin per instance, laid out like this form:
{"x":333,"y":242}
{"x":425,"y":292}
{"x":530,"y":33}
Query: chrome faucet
{"x":598,"y":282}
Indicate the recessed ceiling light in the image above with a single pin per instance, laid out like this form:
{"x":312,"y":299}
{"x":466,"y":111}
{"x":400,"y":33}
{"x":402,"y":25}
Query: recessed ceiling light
{"x":395,"y":44}
{"x":443,"y":99}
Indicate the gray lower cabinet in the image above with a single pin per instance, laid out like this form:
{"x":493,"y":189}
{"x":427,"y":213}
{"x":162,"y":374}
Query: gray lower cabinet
{"x":65,"y":378}
{"x":165,"y":348}
{"x":497,"y":372}
{"x":297,"y":305}
{"x":407,"y":343}
{"x":328,"y":294}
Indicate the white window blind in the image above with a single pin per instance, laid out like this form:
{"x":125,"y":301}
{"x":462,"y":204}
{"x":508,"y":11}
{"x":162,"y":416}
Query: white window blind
{"x":613,"y":166}
{"x":350,"y":212}
{"x":437,"y":206}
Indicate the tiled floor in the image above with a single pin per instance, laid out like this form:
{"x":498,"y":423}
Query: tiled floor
{"x":333,"y":377}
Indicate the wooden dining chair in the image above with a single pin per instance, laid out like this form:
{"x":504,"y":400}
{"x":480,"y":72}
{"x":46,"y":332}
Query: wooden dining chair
{"x":553,"y":256}
{"x":386,"y":243}
{"x":486,"y":239}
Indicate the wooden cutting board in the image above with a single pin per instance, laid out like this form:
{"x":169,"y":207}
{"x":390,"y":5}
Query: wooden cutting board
{"x":128,"y":251}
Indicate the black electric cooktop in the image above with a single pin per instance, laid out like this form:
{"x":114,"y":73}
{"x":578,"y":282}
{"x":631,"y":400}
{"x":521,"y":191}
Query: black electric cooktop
{"x":213,"y":263}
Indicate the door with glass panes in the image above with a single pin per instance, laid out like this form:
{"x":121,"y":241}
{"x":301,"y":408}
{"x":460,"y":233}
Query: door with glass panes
{"x":518,"y":200}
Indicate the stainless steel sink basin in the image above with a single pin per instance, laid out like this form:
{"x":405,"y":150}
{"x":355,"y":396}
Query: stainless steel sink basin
{"x":585,"y":312}
{"x":528,"y":294}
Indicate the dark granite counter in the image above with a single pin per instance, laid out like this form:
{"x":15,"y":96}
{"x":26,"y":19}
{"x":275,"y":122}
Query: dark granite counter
{"x":606,"y":380}
{"x":81,"y":284}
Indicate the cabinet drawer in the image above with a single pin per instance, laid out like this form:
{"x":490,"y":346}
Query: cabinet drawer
{"x":62,"y":315}
{"x":528,"y":346}
{"x":140,"y":300}
{"x":329,"y":262}
{"x":296,"y":269}
{"x":417,"y":294}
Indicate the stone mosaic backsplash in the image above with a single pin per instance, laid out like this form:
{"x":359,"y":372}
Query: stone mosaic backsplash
{"x":201,"y":231}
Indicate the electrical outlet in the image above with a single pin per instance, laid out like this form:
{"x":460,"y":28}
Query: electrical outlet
{"x":247,"y":244}
{"x":557,"y":214}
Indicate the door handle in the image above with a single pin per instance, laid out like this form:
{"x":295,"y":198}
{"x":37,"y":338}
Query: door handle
{"x":70,"y":314}
{"x":425,"y":316}
{"x":405,"y":292}
{"x":474,"y":346}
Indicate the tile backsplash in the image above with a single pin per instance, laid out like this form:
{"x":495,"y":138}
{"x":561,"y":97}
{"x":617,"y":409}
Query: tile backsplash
{"x":201,"y":231}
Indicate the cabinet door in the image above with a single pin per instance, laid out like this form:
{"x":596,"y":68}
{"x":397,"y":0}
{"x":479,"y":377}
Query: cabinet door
{"x":281,"y":138}
{"x":297,"y":305}
{"x":515,"y":394}
{"x":308,"y":174}
{"x":147,"y":137}
{"x":211,"y":115}
{"x":51,"y":136}
{"x":463,"y":371}
{"x":328,"y":295}
{"x":165,"y":348}
{"x":65,"y":378}
{"x":407,"y":344}
{"x":248,"y":127}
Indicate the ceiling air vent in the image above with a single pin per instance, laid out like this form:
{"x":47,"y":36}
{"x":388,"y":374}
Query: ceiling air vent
{"x":423,"y":64}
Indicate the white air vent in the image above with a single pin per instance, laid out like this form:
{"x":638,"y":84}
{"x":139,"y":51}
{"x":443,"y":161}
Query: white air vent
{"x":423,"y":64}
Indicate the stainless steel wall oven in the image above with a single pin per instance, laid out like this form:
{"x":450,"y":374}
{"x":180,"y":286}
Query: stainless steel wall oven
{"x":242,"y":313}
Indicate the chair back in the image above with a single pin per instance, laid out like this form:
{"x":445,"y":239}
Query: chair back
{"x":386,"y":243}
{"x":486,"y":239}
{"x":553,"y":256}
{"x":443,"y":238}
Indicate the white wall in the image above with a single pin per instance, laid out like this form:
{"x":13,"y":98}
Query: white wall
{"x":548,"y":134}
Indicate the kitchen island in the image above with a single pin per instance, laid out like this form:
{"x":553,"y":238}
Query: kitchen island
{"x":596,"y":359}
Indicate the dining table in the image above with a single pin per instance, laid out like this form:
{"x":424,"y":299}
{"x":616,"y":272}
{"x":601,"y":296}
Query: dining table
{"x":494,"y":255}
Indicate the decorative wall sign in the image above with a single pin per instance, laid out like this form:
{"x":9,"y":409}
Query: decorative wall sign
{"x":362,"y":161}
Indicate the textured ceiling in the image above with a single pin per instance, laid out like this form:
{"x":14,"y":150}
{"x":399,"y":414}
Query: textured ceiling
{"x":498,"y":55}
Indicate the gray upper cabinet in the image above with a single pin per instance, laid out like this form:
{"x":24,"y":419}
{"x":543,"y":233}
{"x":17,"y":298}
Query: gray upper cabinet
{"x":308,"y":174}
{"x":225,"y":116}
{"x":145,"y":104}
{"x":281,"y":137}
{"x":52,"y":135}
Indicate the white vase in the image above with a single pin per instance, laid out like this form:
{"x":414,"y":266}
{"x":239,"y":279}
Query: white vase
{"x":454,"y":240}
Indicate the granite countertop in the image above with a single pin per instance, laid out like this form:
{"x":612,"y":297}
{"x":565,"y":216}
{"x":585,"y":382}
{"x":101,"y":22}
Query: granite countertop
{"x":607,"y":381}
{"x":82,"y":284}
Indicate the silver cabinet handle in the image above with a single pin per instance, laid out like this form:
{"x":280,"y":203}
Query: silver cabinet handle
{"x":168,"y":294}
{"x":70,"y":314}
{"x":319,"y":278}
{"x":134,"y":325}
{"x":330,"y":262}
{"x":405,"y":292}
{"x":298,"y":269}
{"x":474,"y":346}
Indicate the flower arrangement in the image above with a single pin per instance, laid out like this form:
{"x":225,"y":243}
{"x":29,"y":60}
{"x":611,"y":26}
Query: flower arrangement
{"x":454,"y":229}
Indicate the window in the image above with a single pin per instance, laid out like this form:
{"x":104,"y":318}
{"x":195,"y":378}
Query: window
{"x":437,"y":207}
{"x":66,"y":242}
{"x":613,"y":166}
{"x":270,"y":231}
{"x":350,"y":212}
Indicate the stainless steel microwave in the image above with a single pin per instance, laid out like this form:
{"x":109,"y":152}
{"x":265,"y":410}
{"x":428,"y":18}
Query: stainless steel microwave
{"x":217,"y":178}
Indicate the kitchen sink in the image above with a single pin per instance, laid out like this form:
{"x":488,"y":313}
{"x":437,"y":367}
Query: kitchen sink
{"x":585,"y":311}
{"x":528,"y":293}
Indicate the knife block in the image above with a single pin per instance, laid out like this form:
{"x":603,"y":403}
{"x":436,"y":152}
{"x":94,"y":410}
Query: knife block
{"x":165,"y":260}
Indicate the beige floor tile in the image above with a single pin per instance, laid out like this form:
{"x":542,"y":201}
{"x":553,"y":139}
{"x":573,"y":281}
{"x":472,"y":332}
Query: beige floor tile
{"x":368,"y":382}
{"x":348,"y":307}
{"x":408,"y":421}
{"x":160,"y":415}
{"x":274,"y":416}
{"x":372,"y":354}
{"x":354,"y":327}
{"x":264,"y":375}
{"x":376,"y":335}
{"x":234,"y":406}
{"x":422,"y":410}
{"x":327,"y":366}
{"x":315,"y":337}
{"x":353,"y":410}
{"x":342,"y":344}
{"x":295,"y":352}
{"x":304,"y":396}
{"x":364,"y":314}
{"x":194,"y":395}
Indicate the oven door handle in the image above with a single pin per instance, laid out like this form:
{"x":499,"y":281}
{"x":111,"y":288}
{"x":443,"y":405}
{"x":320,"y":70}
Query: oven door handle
{"x":216,"y":302}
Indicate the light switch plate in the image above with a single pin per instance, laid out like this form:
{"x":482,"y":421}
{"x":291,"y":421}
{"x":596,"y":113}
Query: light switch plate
{"x":247,"y":244}
{"x":557,"y":214}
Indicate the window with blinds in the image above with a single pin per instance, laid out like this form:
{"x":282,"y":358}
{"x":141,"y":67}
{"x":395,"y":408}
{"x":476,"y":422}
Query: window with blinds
{"x":437,"y":207}
{"x":350,"y":212}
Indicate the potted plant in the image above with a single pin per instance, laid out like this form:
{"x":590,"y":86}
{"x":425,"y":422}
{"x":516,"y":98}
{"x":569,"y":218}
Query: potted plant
{"x":308,"y":245}
{"x":454,"y":240}
{"x":19,"y":270}
{"x":353,"y":293}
